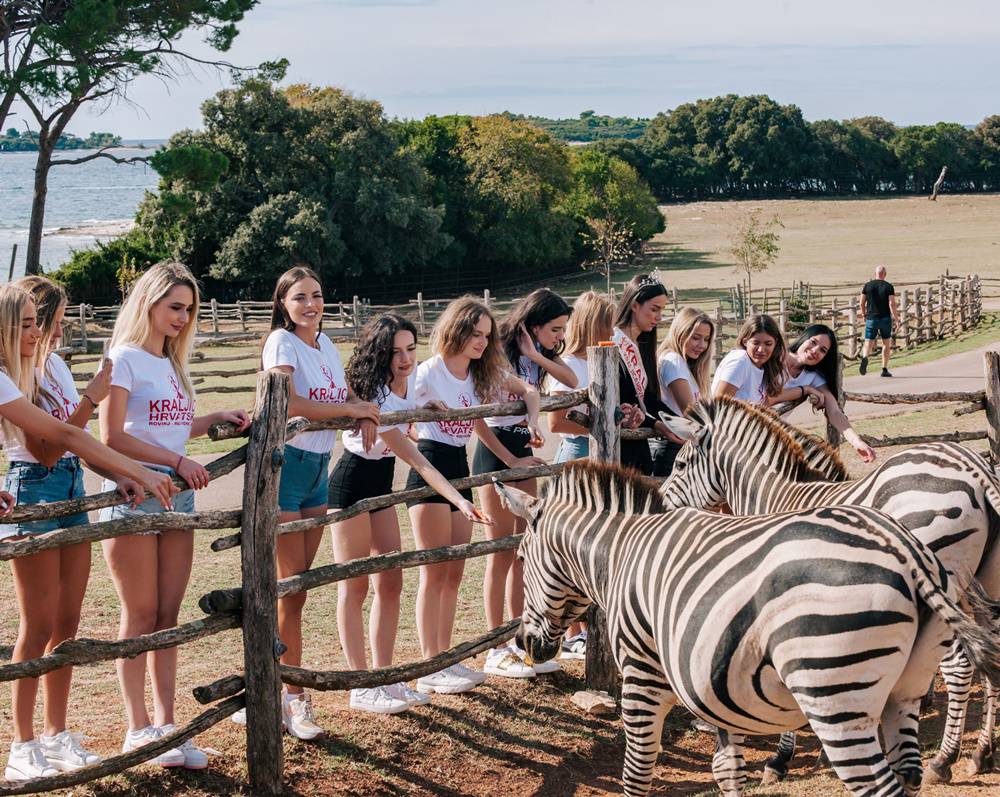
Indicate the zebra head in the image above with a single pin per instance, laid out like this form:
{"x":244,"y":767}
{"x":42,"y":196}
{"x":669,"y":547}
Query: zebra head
{"x":695,"y":480}
{"x":552,"y":600}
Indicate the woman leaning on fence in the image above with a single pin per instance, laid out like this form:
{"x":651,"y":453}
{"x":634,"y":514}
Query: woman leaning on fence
{"x":468,"y":368}
{"x":382,"y":370}
{"x":811,"y":372}
{"x":318,"y":390}
{"x":532,"y":337}
{"x":50,"y":584}
{"x":149,"y":415}
{"x":753,"y":371}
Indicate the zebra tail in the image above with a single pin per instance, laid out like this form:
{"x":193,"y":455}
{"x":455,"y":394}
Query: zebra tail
{"x":979,"y":636}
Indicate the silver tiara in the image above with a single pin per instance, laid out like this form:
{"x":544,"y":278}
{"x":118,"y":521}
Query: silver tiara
{"x":648,"y":282}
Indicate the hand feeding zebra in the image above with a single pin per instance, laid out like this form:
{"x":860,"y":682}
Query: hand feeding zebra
{"x":795,"y":601}
{"x":943,"y":493}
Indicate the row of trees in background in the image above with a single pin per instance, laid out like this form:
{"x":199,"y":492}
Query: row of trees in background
{"x":16,"y":141}
{"x":317,"y":175}
{"x":732,"y":147}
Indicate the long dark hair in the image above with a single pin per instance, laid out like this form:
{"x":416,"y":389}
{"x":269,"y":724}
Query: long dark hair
{"x":827,"y":367}
{"x":370,"y":368}
{"x":279,"y":316}
{"x":536,"y":309}
{"x":641,"y":288}
{"x":774,"y":368}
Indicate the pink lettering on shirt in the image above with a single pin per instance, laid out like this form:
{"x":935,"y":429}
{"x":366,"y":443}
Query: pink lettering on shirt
{"x":459,"y":428}
{"x":331,"y":394}
{"x":176,"y":411}
{"x":67,"y":406}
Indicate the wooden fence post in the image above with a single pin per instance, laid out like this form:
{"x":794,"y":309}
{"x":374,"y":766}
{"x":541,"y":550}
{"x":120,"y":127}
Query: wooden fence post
{"x":962,"y":297}
{"x":783,"y":313}
{"x":83,"y":326}
{"x":812,"y":313}
{"x":605,"y":446}
{"x":852,"y":322}
{"x":720,"y":324}
{"x":673,"y":296}
{"x":240,"y":314}
{"x":261,"y":646}
{"x":13,"y":260}
{"x":356,"y":309}
{"x":421,"y":322}
{"x":834,"y":437}
{"x":215,"y":317}
{"x":918,"y":302}
{"x":904,"y":320}
{"x":486,"y":297}
{"x":992,"y":368}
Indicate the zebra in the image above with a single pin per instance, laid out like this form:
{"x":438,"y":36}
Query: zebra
{"x":755,"y":624}
{"x":945,"y":494}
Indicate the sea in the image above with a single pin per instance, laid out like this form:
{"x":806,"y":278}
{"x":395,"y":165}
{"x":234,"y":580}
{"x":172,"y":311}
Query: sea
{"x":86,"y":203}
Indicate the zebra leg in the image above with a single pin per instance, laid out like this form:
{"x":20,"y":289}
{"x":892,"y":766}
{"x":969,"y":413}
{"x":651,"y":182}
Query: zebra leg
{"x":982,"y":759}
{"x":900,"y":724}
{"x":646,"y":699}
{"x":957,"y":673}
{"x":776,"y":768}
{"x":728,"y":765}
{"x":857,"y":758}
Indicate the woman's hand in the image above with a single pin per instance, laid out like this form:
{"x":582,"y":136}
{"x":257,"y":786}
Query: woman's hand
{"x":362,"y":410}
{"x":97,"y":389}
{"x":525,"y":344}
{"x":632,"y":416}
{"x":194,"y":474}
{"x":816,"y":397}
{"x":434,"y":404}
{"x":6,"y":503}
{"x":528,"y":462}
{"x":159,"y":484}
{"x":237,"y":417}
{"x":536,"y":438}
{"x":469,"y":510}
{"x":865,"y":451}
{"x":369,"y":431}
{"x":131,"y":491}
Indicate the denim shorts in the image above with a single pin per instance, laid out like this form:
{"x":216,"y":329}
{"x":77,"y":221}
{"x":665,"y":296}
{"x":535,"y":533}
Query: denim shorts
{"x":574,"y":447}
{"x":33,"y":483}
{"x":182,"y":502}
{"x":878,"y":326}
{"x":305,"y":480}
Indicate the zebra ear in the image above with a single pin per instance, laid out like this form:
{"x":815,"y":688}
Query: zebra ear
{"x":684,"y":428}
{"x":518,"y":501}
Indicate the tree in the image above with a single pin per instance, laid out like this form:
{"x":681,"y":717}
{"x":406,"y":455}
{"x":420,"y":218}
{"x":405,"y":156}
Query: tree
{"x":923,"y":149}
{"x":755,"y":244}
{"x":59,"y":56}
{"x":988,"y":135}
{"x":611,"y":243}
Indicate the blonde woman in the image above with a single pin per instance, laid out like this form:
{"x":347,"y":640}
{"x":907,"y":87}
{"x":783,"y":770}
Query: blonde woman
{"x":49,"y":585}
{"x":149,"y":415}
{"x":468,"y":368}
{"x":682,"y":369}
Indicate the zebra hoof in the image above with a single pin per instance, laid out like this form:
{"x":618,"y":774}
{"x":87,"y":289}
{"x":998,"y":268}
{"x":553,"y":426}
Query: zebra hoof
{"x":910,"y":780}
{"x":936,"y":773}
{"x":982,"y":761}
{"x":772,"y":777}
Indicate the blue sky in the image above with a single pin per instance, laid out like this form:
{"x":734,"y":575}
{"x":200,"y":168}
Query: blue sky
{"x":912,"y":62}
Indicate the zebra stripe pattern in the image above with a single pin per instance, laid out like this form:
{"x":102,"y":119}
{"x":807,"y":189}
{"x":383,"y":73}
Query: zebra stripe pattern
{"x":943,"y":493}
{"x":756,"y":624}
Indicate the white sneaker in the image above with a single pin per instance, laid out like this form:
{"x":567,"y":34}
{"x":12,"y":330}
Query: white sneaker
{"x":540,"y":667}
{"x":140,"y":738}
{"x":194,"y":756}
{"x":378,"y":700}
{"x":575,"y":648}
{"x":507,"y":664}
{"x":239,"y":717}
{"x":65,"y":751}
{"x":403,"y":692}
{"x":444,"y":681}
{"x":27,"y":761}
{"x":476,"y":676}
{"x":297,"y":714}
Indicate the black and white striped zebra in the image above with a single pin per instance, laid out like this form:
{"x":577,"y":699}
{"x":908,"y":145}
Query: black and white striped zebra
{"x":942,"y":492}
{"x":756,"y":624}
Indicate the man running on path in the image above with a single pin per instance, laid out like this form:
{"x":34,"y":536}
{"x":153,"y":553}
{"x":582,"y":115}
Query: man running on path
{"x":878,"y":303}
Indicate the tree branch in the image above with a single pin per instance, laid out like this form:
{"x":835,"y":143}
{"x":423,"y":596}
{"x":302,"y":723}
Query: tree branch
{"x":102,"y":153}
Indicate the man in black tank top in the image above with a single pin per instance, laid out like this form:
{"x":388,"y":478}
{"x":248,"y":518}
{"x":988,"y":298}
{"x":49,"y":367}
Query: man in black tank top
{"x":878,"y":303}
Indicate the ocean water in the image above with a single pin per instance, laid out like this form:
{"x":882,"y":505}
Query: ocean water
{"x":86,"y":203}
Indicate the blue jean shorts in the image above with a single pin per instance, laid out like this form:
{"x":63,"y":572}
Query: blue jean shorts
{"x":575,"y":447}
{"x":878,"y":326}
{"x":305,"y":480}
{"x":182,"y":502}
{"x":33,"y":483}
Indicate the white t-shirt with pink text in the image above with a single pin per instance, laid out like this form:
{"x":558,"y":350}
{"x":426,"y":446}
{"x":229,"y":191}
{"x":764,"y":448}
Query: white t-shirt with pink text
{"x":159,"y":411}
{"x":8,"y":390}
{"x":436,"y":383}
{"x":58,"y":396}
{"x":317,"y":375}
{"x":387,"y":402}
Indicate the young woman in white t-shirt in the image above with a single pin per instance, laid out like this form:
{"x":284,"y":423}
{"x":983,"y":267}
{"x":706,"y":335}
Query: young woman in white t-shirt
{"x":753,"y":370}
{"x":149,"y":415}
{"x":383,"y":370}
{"x":811,"y":371}
{"x":682,"y":371}
{"x":297,"y":346}
{"x":37,"y":429}
{"x":532,"y":337}
{"x":468,"y":368}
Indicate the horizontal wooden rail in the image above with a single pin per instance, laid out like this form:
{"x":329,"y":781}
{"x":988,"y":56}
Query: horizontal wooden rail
{"x":72,"y":652}
{"x":916,"y":398}
{"x":914,"y":439}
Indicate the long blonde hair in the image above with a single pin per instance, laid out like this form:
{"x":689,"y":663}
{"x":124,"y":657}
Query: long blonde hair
{"x":590,"y":323}
{"x":133,"y":326}
{"x":681,"y":329}
{"x":453,"y":330}
{"x":49,"y":298}
{"x":21,"y":370}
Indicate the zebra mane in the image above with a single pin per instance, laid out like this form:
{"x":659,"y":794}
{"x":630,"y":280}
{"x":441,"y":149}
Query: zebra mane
{"x":603,"y":487}
{"x":812,"y":459}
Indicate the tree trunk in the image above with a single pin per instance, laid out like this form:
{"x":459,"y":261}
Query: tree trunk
{"x":46,"y":145}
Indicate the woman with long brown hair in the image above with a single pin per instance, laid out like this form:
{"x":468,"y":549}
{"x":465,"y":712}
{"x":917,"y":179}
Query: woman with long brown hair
{"x":754,"y":370}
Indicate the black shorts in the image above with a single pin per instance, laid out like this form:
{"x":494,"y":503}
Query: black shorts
{"x":664,"y":452}
{"x":635,"y":454}
{"x":451,"y":461}
{"x":355,"y":478}
{"x":515,"y":438}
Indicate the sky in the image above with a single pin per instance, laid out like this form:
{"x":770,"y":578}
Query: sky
{"x":911,"y":62}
